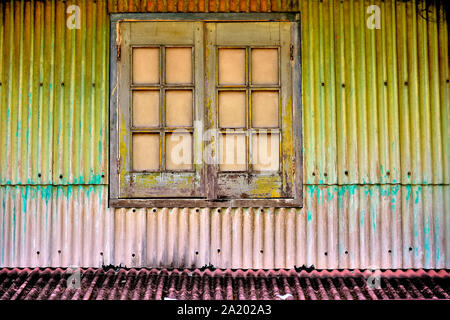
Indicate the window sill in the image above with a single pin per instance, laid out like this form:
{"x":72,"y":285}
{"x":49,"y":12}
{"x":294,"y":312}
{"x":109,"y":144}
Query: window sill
{"x":196,"y":203}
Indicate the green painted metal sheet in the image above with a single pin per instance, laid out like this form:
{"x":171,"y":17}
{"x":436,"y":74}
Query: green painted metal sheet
{"x":53,"y":93}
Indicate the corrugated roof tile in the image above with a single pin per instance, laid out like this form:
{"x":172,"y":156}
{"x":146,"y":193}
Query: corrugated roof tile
{"x":188,"y":284}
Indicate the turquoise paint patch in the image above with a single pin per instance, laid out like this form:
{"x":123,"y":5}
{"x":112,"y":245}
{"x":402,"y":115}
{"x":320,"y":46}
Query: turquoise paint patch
{"x":408,"y":194}
{"x":437,"y":231}
{"x":28,"y":136}
{"x":352,"y":189}
{"x":341,"y":196}
{"x":99,"y":151}
{"x":393,"y":205}
{"x":330,"y":193}
{"x":374,"y":220}
{"x":419,"y":189}
{"x":96,"y":179}
{"x":426,"y":236}
{"x":309,"y":215}
{"x":3,"y":231}
{"x":90,"y":189}
{"x":46,"y":193}
{"x":395,"y":190}
{"x":64,"y":191}
{"x":415,"y":214}
{"x":311,"y":189}
{"x":18,"y":128}
{"x":100,"y":197}
{"x":24,"y":198}
{"x":385,"y":191}
{"x":368,"y":191}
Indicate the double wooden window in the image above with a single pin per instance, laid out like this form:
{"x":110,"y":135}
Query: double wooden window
{"x":205,"y":112}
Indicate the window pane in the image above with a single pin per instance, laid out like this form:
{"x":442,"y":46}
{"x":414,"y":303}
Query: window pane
{"x":233,"y":153}
{"x":178,"y":151}
{"x":265,"y":152}
{"x":231,"y":66}
{"x":264,"y":66}
{"x":178,"y":65}
{"x":146,"y":151}
{"x":146,"y":65}
{"x":232,"y":109}
{"x":178,"y":108}
{"x":145,"y":108}
{"x":265,"y":109}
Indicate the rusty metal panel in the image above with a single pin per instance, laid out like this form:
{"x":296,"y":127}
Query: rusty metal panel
{"x":372,"y":226}
{"x":339,"y":227}
{"x":159,"y":237}
{"x":81,"y":87}
{"x":26,"y":94}
{"x":55,"y":226}
{"x":53,"y":85}
{"x":375,"y":101}
{"x":25,"y":220}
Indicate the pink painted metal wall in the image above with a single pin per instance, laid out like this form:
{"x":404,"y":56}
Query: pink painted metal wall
{"x":339,"y":227}
{"x":376,"y":147}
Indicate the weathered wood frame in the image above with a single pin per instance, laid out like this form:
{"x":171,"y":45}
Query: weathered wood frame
{"x":158,"y":183}
{"x":295,"y":201}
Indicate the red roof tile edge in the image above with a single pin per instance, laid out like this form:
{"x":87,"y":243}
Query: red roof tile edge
{"x":187,"y":284}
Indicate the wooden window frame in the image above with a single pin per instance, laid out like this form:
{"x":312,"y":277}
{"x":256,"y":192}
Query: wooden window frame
{"x":208,"y":170}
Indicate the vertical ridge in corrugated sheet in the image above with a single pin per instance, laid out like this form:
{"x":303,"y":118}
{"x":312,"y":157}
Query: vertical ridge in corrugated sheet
{"x":81,"y":133}
{"x":55,"y":226}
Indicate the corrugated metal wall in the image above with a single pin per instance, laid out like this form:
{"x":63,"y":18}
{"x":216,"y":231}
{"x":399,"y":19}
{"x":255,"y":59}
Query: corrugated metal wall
{"x":375,"y":130}
{"x":53,"y":101}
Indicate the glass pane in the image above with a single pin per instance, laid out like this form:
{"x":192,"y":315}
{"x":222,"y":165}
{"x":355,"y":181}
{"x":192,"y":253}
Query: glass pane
{"x":146,"y":151}
{"x":146,"y":65}
{"x":265,"y":152}
{"x":233,"y":153}
{"x":178,"y":65}
{"x":145,"y":108}
{"x":178,"y":151}
{"x":232,"y":109}
{"x":231,"y":66}
{"x":265,"y":109}
{"x":264,"y":66}
{"x":178,"y":108}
